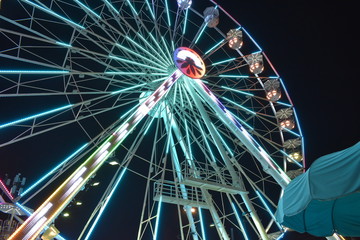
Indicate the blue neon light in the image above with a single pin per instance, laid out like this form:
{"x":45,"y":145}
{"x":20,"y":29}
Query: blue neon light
{"x":53,"y":13}
{"x":157,"y":219}
{"x":34,"y":116}
{"x":105,"y":205}
{"x":52,"y":171}
{"x":11,"y":71}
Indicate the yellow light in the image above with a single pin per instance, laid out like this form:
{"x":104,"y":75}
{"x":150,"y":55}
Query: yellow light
{"x":78,"y":203}
{"x":95,"y":184}
{"x":193,"y":210}
{"x":66,"y":214}
{"x":113,"y":163}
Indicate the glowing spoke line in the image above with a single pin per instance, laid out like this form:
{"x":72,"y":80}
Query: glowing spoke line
{"x":103,"y":207}
{"x":35,"y":116}
{"x":138,"y":55}
{"x":136,"y":63}
{"x":47,"y":10}
{"x":52,"y":171}
{"x":70,"y":187}
{"x":86,"y":8}
{"x":261,"y":155}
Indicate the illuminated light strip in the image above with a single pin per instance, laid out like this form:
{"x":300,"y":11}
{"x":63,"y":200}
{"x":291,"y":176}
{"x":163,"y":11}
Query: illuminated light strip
{"x":292,"y":132}
{"x":140,"y":55}
{"x":285,"y":104}
{"x":145,"y":50}
{"x":280,"y":176}
{"x":78,"y":174}
{"x":55,"y":196}
{"x":157,"y":218}
{"x":239,"y":221}
{"x":23,"y":208}
{"x":29,"y":213}
{"x":202,"y":31}
{"x":243,"y":122}
{"x":63,"y":44}
{"x":240,"y":106}
{"x":165,"y":45}
{"x":71,"y":189}
{"x":45,"y":72}
{"x":257,"y":45}
{"x":54,"y":14}
{"x":102,"y":157}
{"x":103,"y":207}
{"x":237,"y":91}
{"x":111,"y":6}
{"x":132,"y":7}
{"x":268,"y":209}
{"x":215,"y":46}
{"x":35,"y":228}
{"x":3,"y":187}
{"x":292,"y":160}
{"x":206,"y":141}
{"x":35,"y":116}
{"x":135,"y":73}
{"x":136,"y":63}
{"x":223,"y":141}
{"x":169,"y":60}
{"x":129,"y":88}
{"x":152,"y":120}
{"x":185,"y":20}
{"x":35,"y":219}
{"x":105,"y":147}
{"x":87,"y":9}
{"x":150,"y":9}
{"x":122,"y":134}
{"x":52,"y":171}
{"x":234,"y":76}
{"x":223,"y":61}
{"x":202,"y":225}
{"x":167,"y":12}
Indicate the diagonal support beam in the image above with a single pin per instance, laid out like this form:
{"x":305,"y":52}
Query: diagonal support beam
{"x":63,"y":195}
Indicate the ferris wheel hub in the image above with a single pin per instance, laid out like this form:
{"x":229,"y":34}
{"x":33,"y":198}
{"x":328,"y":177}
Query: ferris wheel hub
{"x":189,"y":62}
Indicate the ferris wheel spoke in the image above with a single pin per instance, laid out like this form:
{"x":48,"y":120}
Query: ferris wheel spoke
{"x":47,"y":10}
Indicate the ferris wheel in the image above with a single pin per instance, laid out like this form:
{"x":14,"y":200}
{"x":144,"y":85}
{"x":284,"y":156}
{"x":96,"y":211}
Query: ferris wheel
{"x":203,"y":131}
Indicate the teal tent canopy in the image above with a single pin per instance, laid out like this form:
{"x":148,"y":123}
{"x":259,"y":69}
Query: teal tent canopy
{"x":326,"y":198}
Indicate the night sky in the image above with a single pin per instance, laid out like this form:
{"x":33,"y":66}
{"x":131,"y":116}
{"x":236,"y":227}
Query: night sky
{"x":314,"y":49}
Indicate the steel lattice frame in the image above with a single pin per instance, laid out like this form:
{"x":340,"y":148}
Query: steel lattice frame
{"x":81,"y":68}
